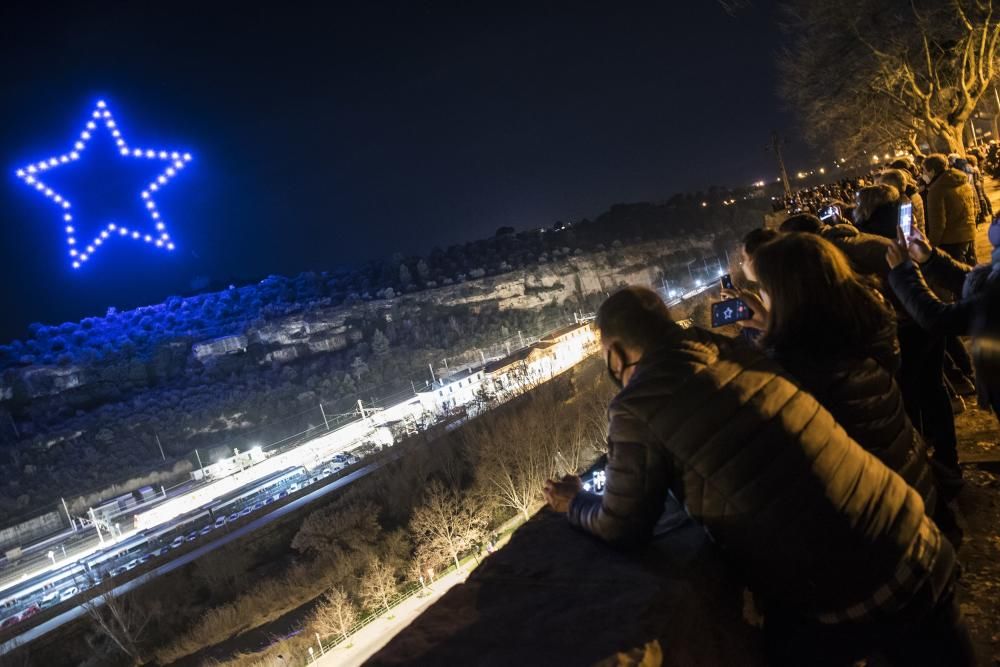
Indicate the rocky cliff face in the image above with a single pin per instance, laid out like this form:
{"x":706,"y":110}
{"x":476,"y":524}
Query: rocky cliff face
{"x":328,"y":329}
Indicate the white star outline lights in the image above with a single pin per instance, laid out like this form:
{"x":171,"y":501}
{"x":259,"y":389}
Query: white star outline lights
{"x":31,"y":175}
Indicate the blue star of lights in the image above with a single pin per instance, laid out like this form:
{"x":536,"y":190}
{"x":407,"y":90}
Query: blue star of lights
{"x":79,"y":250}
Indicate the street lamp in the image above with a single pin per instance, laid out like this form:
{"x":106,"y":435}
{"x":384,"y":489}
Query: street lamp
{"x":52,"y":556}
{"x":312,"y":658}
{"x":319,"y":643}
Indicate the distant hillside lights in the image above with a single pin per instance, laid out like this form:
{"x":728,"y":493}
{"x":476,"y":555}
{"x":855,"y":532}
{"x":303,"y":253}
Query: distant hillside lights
{"x":78,"y":253}
{"x":504,"y":378}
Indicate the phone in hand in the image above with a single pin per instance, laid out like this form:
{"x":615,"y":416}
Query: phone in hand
{"x":830,"y":212}
{"x":906,"y":219}
{"x":727,"y":281}
{"x":730,"y":311}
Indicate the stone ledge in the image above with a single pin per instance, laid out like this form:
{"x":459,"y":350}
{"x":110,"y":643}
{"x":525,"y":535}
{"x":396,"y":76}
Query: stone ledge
{"x":554,"y":595}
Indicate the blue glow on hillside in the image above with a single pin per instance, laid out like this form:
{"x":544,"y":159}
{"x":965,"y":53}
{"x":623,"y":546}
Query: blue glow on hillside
{"x":79,"y":250}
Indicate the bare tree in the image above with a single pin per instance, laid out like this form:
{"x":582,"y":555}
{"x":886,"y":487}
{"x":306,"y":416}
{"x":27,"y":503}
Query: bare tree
{"x":335,"y":614}
{"x":121,"y":619}
{"x":378,"y":585}
{"x":447,"y":523}
{"x":342,"y":528}
{"x":884,"y":73}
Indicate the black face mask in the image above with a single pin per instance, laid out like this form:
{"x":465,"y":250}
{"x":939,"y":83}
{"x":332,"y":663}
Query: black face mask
{"x":611,"y":374}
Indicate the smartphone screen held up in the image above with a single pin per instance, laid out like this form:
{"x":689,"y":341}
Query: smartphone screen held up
{"x":729,"y":312}
{"x":906,"y":219}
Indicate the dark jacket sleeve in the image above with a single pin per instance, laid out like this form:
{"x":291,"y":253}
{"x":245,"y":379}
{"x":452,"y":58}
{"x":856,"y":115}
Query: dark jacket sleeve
{"x":925,"y":308}
{"x":944,"y":270}
{"x":636,"y":486}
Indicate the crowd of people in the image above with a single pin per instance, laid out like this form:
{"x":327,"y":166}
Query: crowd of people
{"x":818,"y":449}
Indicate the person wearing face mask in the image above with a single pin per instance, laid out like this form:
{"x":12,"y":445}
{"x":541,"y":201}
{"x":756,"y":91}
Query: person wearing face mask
{"x":949,"y":209}
{"x":838,"y":550}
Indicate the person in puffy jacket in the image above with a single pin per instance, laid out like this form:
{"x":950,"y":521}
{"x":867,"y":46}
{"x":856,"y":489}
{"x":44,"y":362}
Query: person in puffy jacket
{"x":902,"y":181}
{"x":836,"y":547}
{"x":877,"y":211}
{"x":837,"y":337}
{"x":912,"y":258}
{"x":949,"y":209}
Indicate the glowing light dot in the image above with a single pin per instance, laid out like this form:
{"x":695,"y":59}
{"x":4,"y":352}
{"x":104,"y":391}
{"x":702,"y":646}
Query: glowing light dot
{"x":106,"y":114}
{"x":163,"y":155}
{"x":187,"y":157}
{"x":159,"y":226}
{"x":78,"y":145}
{"x":67,"y":217}
{"x":161,"y":180}
{"x":97,"y":114}
{"x":74,"y":155}
{"x":170,"y":171}
{"x":137,"y":152}
{"x":154,"y":214}
{"x":179,"y":164}
{"x":145,"y":195}
{"x":175,"y":156}
{"x":39,"y":186}
{"x":104,"y":233}
{"x":159,"y":243}
{"x":31,"y":169}
{"x":98,"y":241}
{"x":101,"y":104}
{"x":120,"y":142}
{"x":124,"y":151}
{"x":72,"y":252}
{"x":57,"y":199}
{"x":83,"y":258}
{"x":115,"y":133}
{"x":69,"y":229}
{"x":122,"y":231}
{"x":110,"y":123}
{"x":63,"y":159}
{"x":153,"y":187}
{"x":85,"y":135}
{"x":170,"y":246}
{"x":43,"y":166}
{"x":91,"y":125}
{"x":71,"y":240}
{"x":164,"y":236}
{"x":147,"y":238}
{"x":48,"y":192}
{"x":76,"y":265}
{"x":135,"y":235}
{"x":150,"y":154}
{"x":90,"y":249}
{"x":150,"y":204}
{"x":65,"y":204}
{"x":20,"y":173}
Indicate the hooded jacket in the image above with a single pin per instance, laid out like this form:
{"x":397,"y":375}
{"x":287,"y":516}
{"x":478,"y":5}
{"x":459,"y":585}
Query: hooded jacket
{"x":950,"y":209}
{"x":813,"y":521}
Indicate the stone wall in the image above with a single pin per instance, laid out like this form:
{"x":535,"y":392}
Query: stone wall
{"x":32,"y":530}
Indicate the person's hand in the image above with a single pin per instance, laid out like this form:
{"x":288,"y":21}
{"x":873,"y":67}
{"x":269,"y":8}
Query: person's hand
{"x":753,"y":302}
{"x":559,"y":494}
{"x":918,"y":247}
{"x":896,"y":253}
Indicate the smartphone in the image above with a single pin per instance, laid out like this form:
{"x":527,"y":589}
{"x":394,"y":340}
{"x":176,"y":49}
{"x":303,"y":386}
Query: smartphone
{"x":727,"y":281}
{"x":906,"y":219}
{"x":729,"y":311}
{"x":830,"y":212}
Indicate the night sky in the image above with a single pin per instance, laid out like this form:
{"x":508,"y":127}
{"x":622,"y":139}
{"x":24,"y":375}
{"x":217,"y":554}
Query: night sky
{"x":325,"y":135}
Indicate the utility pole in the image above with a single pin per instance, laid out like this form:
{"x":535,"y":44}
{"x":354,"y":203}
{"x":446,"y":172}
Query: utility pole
{"x":66,"y":509}
{"x":520,"y":338}
{"x":325,"y":420}
{"x":162,"y":455}
{"x":93,"y":519}
{"x":429,"y":366}
{"x":361,"y":407}
{"x":199,"y":464}
{"x":776,"y":146}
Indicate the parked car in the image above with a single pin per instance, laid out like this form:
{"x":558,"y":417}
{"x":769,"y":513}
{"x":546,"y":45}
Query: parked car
{"x":68,"y":593}
{"x":13,"y":620}
{"x":50,"y":598}
{"x":220,"y":522}
{"x":245,"y":511}
{"x":30,"y":611}
{"x":257,"y":505}
{"x":234,"y":516}
{"x":118,"y":570}
{"x":177,"y":541}
{"x":192,"y":536}
{"x":206,"y":529}
{"x":146,"y":558}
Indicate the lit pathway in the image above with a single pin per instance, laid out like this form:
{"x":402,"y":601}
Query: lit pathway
{"x":369,"y":639}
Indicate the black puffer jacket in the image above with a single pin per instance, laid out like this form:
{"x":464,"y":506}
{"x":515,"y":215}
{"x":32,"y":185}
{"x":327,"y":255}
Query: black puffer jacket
{"x":861,"y":393}
{"x":812,"y":520}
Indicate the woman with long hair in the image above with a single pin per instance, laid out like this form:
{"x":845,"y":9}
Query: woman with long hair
{"x":836,"y":335}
